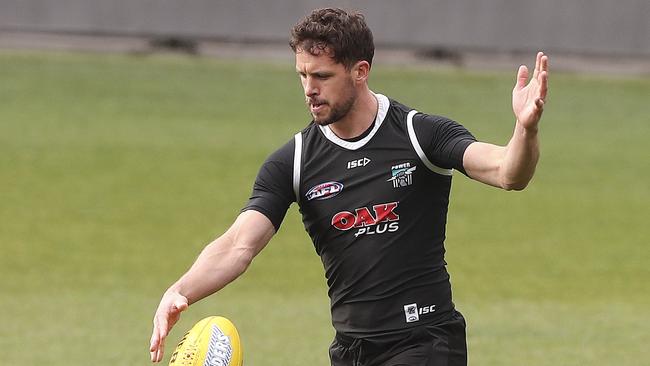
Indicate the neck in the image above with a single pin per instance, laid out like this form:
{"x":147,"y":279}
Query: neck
{"x":359,"y":118}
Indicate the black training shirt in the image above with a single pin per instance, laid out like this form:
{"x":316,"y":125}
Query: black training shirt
{"x":375,"y":209}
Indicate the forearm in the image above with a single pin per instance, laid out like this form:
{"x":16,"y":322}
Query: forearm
{"x":520,"y":158}
{"x":219,"y":263}
{"x":226,"y":258}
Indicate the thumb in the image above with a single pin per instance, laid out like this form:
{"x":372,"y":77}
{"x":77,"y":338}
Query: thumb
{"x":181,"y":303}
{"x":522,"y":77}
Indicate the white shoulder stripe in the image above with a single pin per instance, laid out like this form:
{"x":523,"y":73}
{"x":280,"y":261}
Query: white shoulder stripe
{"x":418,"y":149}
{"x":297,"y":157}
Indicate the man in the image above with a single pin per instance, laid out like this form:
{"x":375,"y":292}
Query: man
{"x":372,"y":179}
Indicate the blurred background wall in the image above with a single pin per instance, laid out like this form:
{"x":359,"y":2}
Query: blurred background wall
{"x":600,"y":27}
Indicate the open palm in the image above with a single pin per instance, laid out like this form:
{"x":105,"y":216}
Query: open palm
{"x":528,"y":99}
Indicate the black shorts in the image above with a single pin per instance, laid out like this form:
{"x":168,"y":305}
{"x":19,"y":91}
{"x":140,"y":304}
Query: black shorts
{"x":441,"y":344}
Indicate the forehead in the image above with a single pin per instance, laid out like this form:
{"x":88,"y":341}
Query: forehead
{"x":308,"y":62}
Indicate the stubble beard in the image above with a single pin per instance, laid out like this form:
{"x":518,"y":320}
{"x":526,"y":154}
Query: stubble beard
{"x":337,"y":111}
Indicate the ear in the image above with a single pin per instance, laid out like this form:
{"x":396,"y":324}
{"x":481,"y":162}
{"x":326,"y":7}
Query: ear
{"x":361,"y":71}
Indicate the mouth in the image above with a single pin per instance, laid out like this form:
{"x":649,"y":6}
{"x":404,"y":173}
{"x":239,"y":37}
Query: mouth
{"x":316,"y":106}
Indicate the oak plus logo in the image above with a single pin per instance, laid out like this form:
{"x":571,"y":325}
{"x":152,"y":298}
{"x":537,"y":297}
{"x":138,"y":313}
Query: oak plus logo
{"x":382,"y":219}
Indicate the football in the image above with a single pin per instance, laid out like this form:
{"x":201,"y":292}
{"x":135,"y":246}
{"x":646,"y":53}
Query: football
{"x":213,"y":341}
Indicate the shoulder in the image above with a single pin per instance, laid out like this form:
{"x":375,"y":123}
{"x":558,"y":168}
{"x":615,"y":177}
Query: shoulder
{"x":393,"y":113}
{"x":397,"y":111}
{"x":285,"y":154}
{"x":430,"y":125}
{"x":438,"y":127}
{"x":422,"y":123}
{"x":278,"y":166}
{"x":398,"y":107}
{"x":281,"y":161}
{"x":432,"y":119}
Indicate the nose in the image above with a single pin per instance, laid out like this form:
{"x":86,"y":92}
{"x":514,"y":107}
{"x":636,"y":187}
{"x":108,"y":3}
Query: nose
{"x":311,"y":89}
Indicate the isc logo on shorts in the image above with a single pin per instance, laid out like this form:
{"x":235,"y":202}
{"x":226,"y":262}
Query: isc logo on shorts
{"x":412,"y":312}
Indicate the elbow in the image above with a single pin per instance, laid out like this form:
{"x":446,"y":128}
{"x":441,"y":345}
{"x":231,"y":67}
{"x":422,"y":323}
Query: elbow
{"x":516,"y":182}
{"x":515,"y":185}
{"x":519,"y":186}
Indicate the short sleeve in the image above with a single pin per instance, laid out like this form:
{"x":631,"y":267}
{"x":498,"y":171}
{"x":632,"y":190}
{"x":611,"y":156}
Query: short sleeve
{"x":273,"y":189}
{"x":444,"y":141}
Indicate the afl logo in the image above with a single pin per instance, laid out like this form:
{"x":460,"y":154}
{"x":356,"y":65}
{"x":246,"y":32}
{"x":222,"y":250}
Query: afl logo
{"x":324,"y":191}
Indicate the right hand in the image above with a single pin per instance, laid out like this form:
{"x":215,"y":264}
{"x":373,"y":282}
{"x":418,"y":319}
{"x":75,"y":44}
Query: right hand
{"x":167,"y":314}
{"x":528,"y":99}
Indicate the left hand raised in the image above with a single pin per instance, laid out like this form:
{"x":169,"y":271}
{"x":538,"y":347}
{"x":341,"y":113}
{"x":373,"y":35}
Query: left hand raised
{"x":528,"y":100}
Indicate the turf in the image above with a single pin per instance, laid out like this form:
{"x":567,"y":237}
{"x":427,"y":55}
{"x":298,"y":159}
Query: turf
{"x":116,"y":170}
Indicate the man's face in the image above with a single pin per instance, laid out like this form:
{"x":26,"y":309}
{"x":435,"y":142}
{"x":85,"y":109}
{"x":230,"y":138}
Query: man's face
{"x":329,"y":87}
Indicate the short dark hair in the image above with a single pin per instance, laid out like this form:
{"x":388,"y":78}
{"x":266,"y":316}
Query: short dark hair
{"x":344,"y":34}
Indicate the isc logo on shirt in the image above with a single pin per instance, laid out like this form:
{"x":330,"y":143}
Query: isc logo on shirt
{"x":412,"y":312}
{"x":358,"y":163}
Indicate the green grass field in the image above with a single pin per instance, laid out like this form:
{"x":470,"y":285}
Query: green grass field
{"x":116,"y":170}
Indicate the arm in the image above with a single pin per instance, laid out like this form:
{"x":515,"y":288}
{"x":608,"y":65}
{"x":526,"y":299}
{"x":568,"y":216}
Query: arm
{"x":512,"y":166}
{"x":220,"y":262}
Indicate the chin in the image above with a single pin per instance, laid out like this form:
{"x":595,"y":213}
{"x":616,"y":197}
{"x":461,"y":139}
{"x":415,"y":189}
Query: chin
{"x":323,"y":122}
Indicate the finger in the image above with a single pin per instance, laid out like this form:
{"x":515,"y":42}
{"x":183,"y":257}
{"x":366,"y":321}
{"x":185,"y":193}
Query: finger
{"x":543,"y":63}
{"x":153,"y":348}
{"x":543,"y":68}
{"x":157,"y":354}
{"x":160,"y":350}
{"x":161,"y":330}
{"x":155,"y":357}
{"x":538,"y":63}
{"x":522,"y":77}
{"x":543,"y":84}
{"x":155,"y":344}
{"x":155,"y":340}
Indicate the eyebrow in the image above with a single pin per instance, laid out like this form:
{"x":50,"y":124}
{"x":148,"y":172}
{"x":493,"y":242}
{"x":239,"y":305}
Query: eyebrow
{"x":318,"y":73}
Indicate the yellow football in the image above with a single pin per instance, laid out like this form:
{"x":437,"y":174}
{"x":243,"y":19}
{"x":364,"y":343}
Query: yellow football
{"x":213,"y":341}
